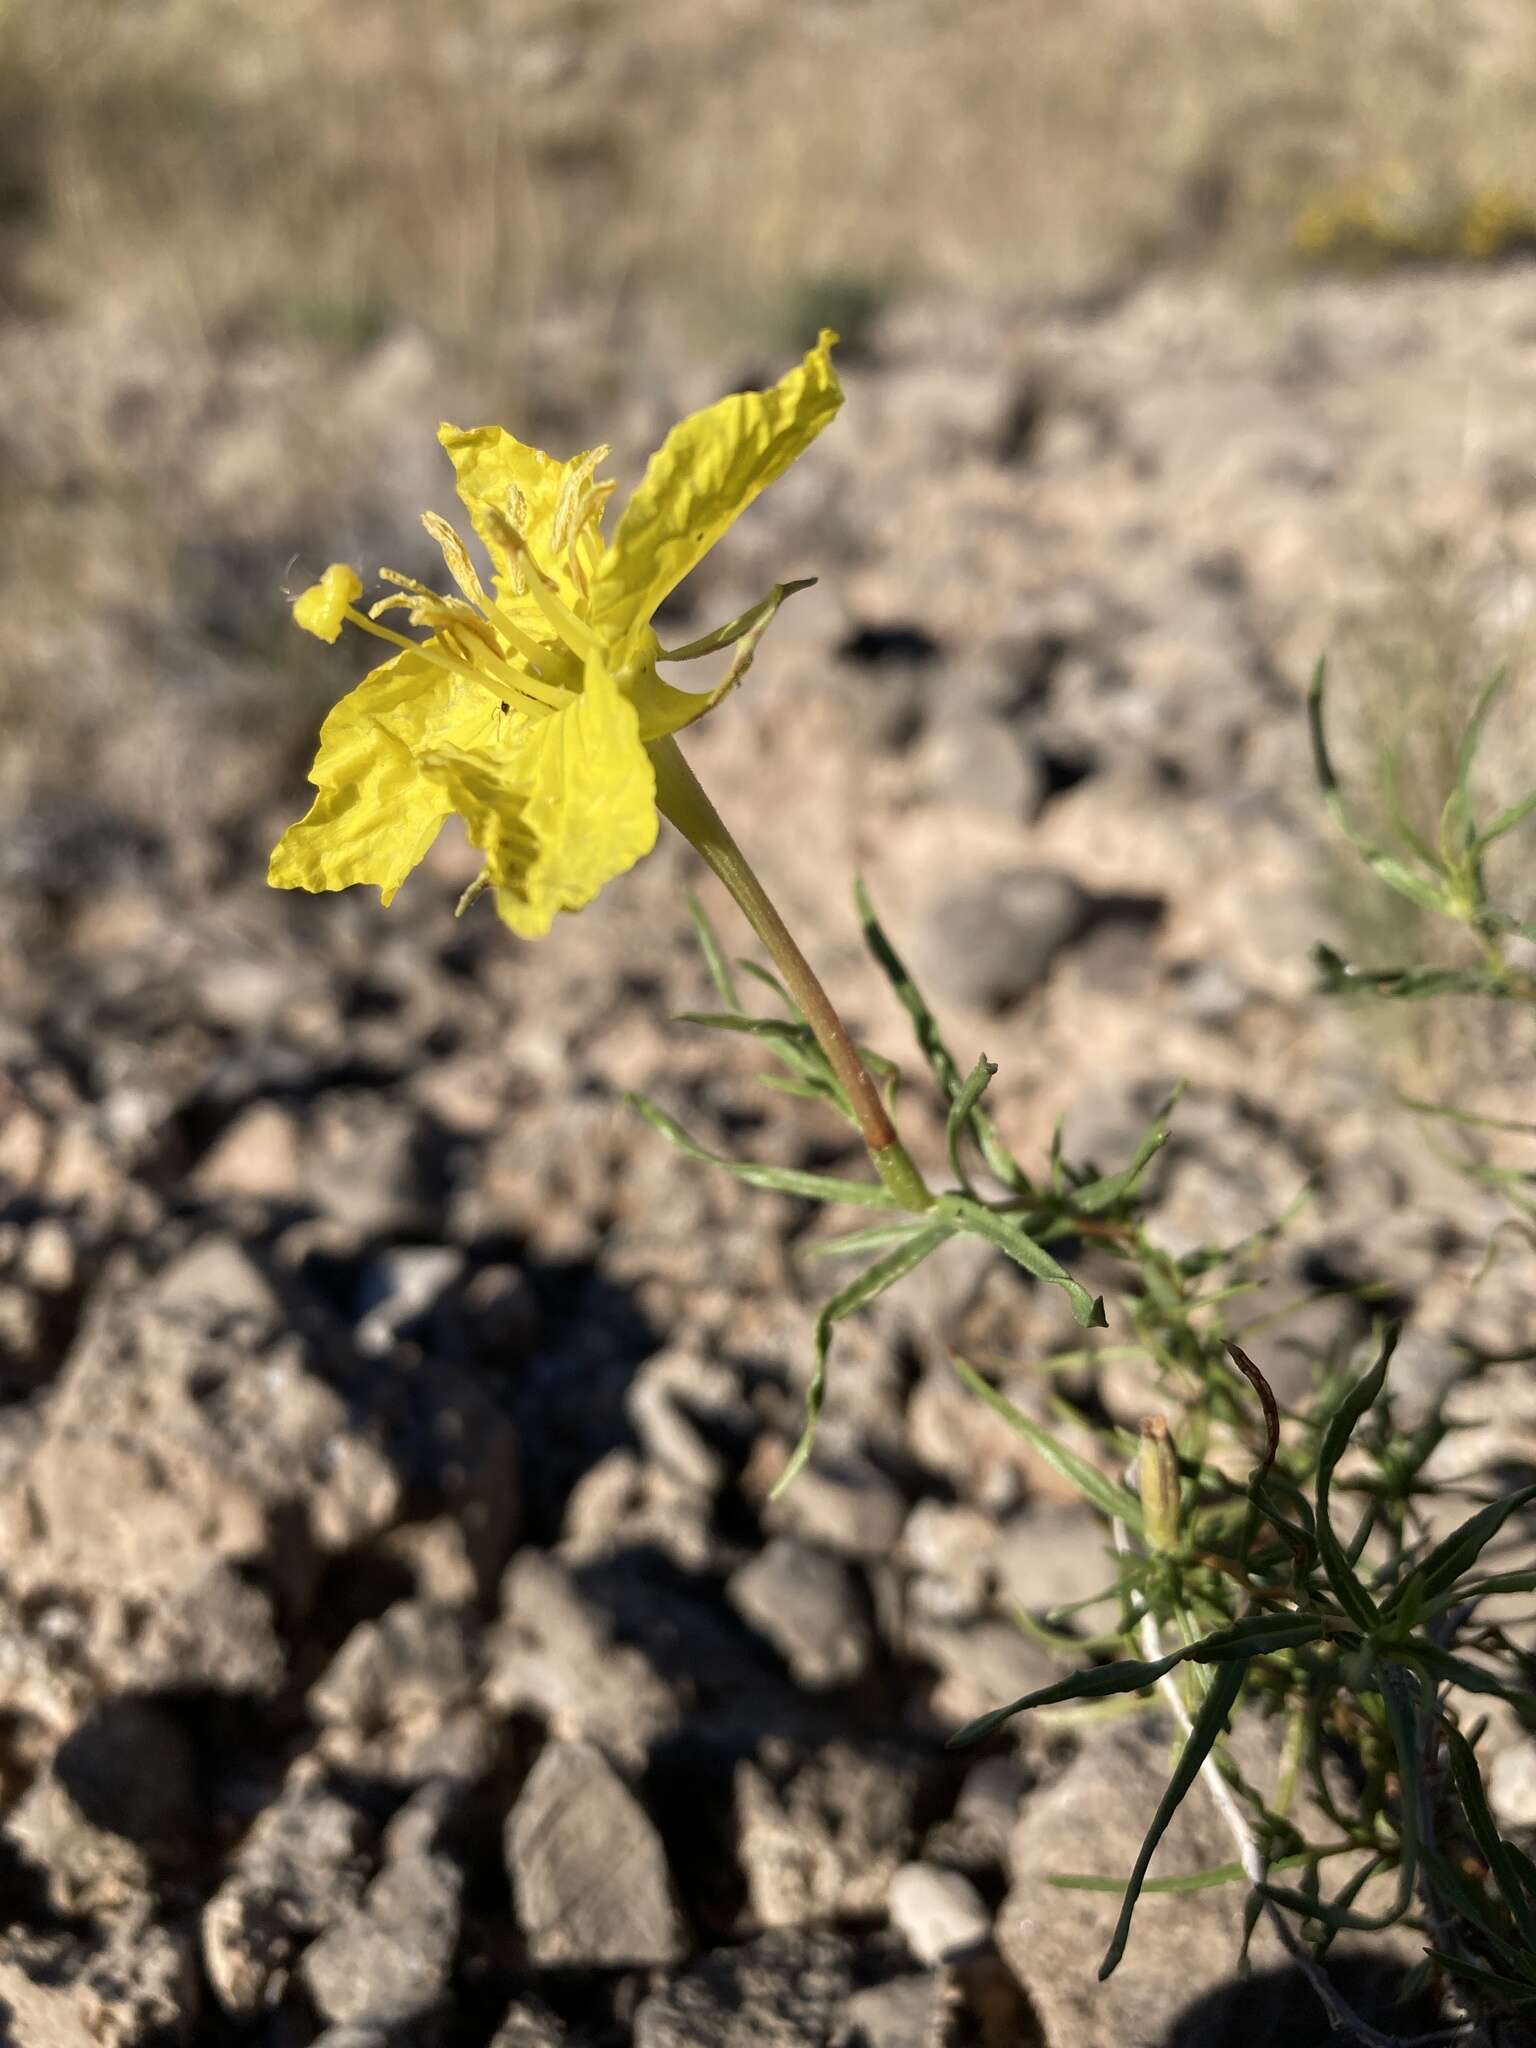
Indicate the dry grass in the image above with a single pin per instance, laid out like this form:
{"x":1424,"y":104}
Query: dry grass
{"x":471,"y":167}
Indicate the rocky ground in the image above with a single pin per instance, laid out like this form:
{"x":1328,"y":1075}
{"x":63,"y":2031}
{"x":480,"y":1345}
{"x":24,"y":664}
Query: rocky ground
{"x":396,"y":1641}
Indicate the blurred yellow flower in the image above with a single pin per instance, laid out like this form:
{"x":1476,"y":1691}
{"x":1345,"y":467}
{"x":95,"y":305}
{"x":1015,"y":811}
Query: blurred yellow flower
{"x":529,"y":709}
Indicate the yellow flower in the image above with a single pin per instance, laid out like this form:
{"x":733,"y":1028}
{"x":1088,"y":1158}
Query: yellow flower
{"x":529,"y":709}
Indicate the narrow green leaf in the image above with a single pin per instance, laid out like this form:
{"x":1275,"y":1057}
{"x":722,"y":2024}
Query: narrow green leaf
{"x":1129,"y":1675}
{"x":980,"y":1221}
{"x":878,"y":1237}
{"x":714,"y":959}
{"x":1444,"y":1667}
{"x":1209,"y":1722}
{"x":874,"y":1280}
{"x":1196,"y":1880}
{"x":1517,"y":1993}
{"x":786,"y":1180}
{"x":1347,"y":1589}
{"x":1394,"y":872}
{"x":930,"y":1040}
{"x":1107,"y":1495}
{"x":778,"y":1029}
{"x":1097,"y":1195}
{"x":1256,"y":1635}
{"x":961,"y":1112}
{"x":1480,"y":1589}
{"x":1494,"y":1850}
{"x":1445,"y":1564}
{"x":1506,"y":821}
{"x":1411,"y":984}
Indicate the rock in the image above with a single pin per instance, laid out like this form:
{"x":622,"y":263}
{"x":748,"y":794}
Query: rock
{"x":988,"y":944}
{"x":820,"y":1837}
{"x":398,"y":1289}
{"x":1512,"y":1785}
{"x":980,"y":762}
{"x":907,"y":2012}
{"x":948,"y":1550}
{"x":300,"y":1868}
{"x":554,"y":1654}
{"x":810,"y":1607}
{"x":1092,"y":1819}
{"x":938,"y":1913}
{"x":846,"y":1504}
{"x":1054,"y":1555}
{"x":981,"y":1665}
{"x":398,"y":1697}
{"x":530,"y":2024}
{"x":175,"y":1434}
{"x":365,"y":1167}
{"x":679,"y":1405}
{"x":259,"y":1156}
{"x":135,"y":1988}
{"x":589,"y":1874}
{"x":784,"y":1990}
{"x":216,"y":1273}
{"x":389,"y":1959}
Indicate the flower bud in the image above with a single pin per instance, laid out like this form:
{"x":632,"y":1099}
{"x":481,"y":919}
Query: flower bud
{"x":1158,"y":1477}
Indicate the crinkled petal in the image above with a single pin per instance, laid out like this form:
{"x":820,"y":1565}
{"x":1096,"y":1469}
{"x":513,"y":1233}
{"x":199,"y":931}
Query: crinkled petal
{"x":561,"y":813}
{"x":377,"y":814}
{"x":502,"y":479}
{"x":704,"y":475}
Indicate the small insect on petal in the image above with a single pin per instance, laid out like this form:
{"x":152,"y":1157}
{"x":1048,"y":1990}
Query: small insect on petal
{"x":322,"y":608}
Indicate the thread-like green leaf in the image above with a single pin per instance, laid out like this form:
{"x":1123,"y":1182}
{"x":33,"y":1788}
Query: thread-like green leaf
{"x":1211,"y":1879}
{"x":930,"y":1040}
{"x":785,"y":1180}
{"x":1444,"y":1565}
{"x":879,"y":1237}
{"x":1209,"y":1722}
{"x":714,"y":958}
{"x":1107,"y":1495}
{"x":1347,"y":1588}
{"x":1494,"y":1849}
{"x":961,"y":1112}
{"x":980,"y":1221}
{"x":872,"y":1281}
{"x":1103,"y":1680}
{"x":1097,"y":1195}
{"x":1506,"y":821}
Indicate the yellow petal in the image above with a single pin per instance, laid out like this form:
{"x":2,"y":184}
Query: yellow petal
{"x":504,"y":482}
{"x":567,"y":809}
{"x":322,"y":608}
{"x":376,"y":813}
{"x":704,"y":475}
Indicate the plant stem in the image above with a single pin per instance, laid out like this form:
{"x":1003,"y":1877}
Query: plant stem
{"x":681,"y":799}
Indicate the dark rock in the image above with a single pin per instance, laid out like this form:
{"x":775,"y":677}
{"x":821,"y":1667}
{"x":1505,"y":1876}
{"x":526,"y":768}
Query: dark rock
{"x":820,"y":1836}
{"x":554,"y":1654}
{"x":397,"y":1697}
{"x":389,"y":1959}
{"x":589,"y":1874}
{"x":810,"y":1607}
{"x":987,"y":944}
{"x":301,"y":1867}
{"x":784,"y":1990}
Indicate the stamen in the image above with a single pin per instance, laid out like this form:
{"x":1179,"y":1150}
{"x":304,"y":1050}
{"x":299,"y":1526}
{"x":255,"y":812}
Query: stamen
{"x":546,"y":695}
{"x":578,"y":636}
{"x":571,"y":507}
{"x":456,"y":557}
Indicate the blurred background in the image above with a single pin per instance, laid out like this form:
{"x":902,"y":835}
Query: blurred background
{"x":388,"y":1417}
